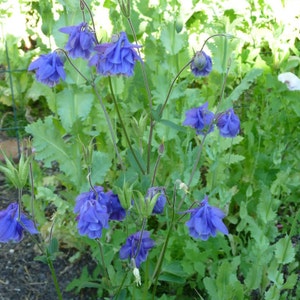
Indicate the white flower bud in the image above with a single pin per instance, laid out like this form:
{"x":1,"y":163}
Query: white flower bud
{"x":137,"y":276}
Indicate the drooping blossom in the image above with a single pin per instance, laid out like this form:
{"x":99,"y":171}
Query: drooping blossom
{"x":92,"y":218}
{"x":11,"y":227}
{"x":160,"y":201}
{"x":81,"y":40}
{"x":49,"y":69}
{"x":200,"y":118}
{"x":137,"y":247}
{"x":205,"y":220}
{"x":115,"y":58}
{"x":228,"y":123}
{"x":201,"y":64}
{"x":114,"y":208}
{"x":94,"y":209}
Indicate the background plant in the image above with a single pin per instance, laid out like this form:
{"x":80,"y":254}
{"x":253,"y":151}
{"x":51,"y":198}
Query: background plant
{"x":255,"y":176}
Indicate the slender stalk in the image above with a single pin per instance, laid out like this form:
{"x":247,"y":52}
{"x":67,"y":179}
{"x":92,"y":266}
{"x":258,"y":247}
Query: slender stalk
{"x":82,"y":5}
{"x":123,"y":126}
{"x":53,"y":274}
{"x":109,"y":125}
{"x":146,"y":82}
{"x":155,"y":169}
{"x":171,"y":87}
{"x":92,"y":83}
{"x":106,"y":275}
{"x":141,"y":237}
{"x":158,"y":266}
{"x":205,"y":135}
{"x":121,"y":285}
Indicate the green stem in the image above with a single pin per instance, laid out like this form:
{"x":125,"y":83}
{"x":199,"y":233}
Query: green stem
{"x":123,"y":126}
{"x":106,"y":275}
{"x":171,"y":87}
{"x":205,"y":135}
{"x":92,"y":83}
{"x":158,"y":266}
{"x":146,"y":82}
{"x":53,"y":274}
{"x":109,"y":125}
{"x":155,"y":169}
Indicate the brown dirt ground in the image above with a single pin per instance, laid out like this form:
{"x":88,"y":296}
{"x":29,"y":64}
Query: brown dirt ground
{"x":23,"y":278}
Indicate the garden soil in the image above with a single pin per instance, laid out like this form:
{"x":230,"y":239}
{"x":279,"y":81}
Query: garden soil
{"x":23,"y":278}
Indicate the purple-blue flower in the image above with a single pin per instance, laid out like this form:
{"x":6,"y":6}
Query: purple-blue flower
{"x":228,"y":123}
{"x":105,"y":205}
{"x":115,"y":58}
{"x":114,"y":207}
{"x":49,"y":69}
{"x":81,"y":40}
{"x":137,"y":247}
{"x":92,"y":218}
{"x":201,"y":64}
{"x":200,"y":118}
{"x":205,"y":220}
{"x":161,"y":200}
{"x":11,"y":227}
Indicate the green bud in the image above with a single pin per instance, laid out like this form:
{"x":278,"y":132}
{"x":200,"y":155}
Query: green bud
{"x":125,"y":194}
{"x":18,"y":176}
{"x":125,"y":7}
{"x":178,"y":24}
{"x":145,"y":205}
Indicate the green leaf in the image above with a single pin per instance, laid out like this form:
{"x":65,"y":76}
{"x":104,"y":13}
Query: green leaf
{"x":172,"y":41}
{"x":244,"y":85}
{"x":172,"y":125}
{"x":53,"y":247}
{"x":72,"y":106}
{"x":101,"y":163}
{"x":291,"y":281}
{"x":284,"y":251}
{"x":211,"y":287}
{"x":49,"y":146}
{"x":173,"y":272}
{"x":230,"y":158}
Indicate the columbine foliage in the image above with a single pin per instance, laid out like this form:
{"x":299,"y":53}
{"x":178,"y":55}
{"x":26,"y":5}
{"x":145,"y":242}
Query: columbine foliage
{"x":119,"y":94}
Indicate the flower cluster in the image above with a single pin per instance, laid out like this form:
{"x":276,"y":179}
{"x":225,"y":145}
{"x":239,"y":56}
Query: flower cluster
{"x":203,"y":121}
{"x":205,"y":220}
{"x":137,"y":247}
{"x":115,"y":58}
{"x":94,"y":209}
{"x":13,"y":223}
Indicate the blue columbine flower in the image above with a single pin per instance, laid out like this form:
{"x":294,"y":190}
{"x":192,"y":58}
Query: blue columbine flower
{"x":205,"y":220}
{"x":137,"y":247}
{"x":95,"y":208}
{"x":161,"y":200}
{"x":115,"y":58}
{"x":201,"y":64}
{"x":49,"y":69}
{"x":11,"y":227}
{"x":114,"y":207}
{"x":92,"y":218}
{"x":228,"y":123}
{"x":81,"y":40}
{"x":200,"y":118}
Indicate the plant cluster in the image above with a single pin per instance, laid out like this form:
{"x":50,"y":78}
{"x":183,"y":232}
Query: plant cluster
{"x":159,"y":160}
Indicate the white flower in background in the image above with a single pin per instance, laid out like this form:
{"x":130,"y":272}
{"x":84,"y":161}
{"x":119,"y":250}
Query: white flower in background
{"x":291,"y":80}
